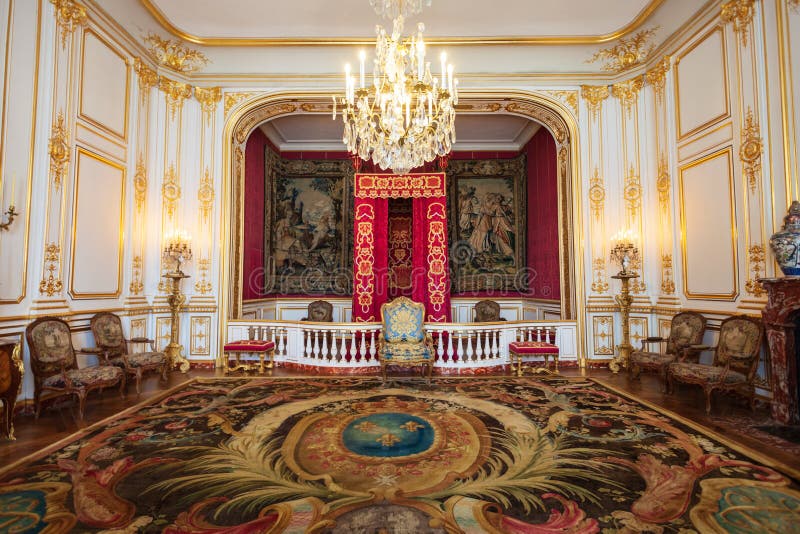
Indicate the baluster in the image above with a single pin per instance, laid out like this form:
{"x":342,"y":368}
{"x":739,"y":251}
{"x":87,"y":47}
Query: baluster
{"x":284,"y":340}
{"x":347,"y":344}
{"x":469,"y":356}
{"x":460,"y":346}
{"x":440,"y":347}
{"x":363,"y":347}
{"x":308,"y":352}
{"x":539,"y":333}
{"x":480,"y":340}
{"x":334,"y":348}
{"x":450,"y":352}
{"x":372,"y":347}
{"x":497,"y":343}
{"x":315,"y":346}
{"x":325,"y":353}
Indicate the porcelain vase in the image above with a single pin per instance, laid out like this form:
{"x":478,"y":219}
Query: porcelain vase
{"x":785,"y":243}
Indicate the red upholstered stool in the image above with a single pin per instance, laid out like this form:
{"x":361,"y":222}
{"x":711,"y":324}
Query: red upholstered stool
{"x":253,"y":346}
{"x":518,"y":349}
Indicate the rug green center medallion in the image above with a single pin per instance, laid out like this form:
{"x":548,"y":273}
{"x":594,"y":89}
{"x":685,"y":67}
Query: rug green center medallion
{"x":350,"y":455}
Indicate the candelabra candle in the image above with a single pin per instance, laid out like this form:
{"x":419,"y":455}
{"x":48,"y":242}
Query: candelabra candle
{"x":177,"y":248}
{"x":624,"y":250}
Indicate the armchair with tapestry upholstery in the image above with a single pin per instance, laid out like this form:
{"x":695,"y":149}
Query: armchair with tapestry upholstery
{"x":735,"y":361}
{"x":686,"y":331}
{"x":319,"y":311}
{"x":55,"y":367}
{"x":403,"y":340}
{"x":108,"y":336}
{"x":487,"y":311}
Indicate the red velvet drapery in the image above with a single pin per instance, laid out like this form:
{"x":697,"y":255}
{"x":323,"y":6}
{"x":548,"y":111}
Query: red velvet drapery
{"x":430,"y":275}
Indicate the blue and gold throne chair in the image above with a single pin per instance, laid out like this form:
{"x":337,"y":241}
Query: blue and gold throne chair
{"x":403,"y":340}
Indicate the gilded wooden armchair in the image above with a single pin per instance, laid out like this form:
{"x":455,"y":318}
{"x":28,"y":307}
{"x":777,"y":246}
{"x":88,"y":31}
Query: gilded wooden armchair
{"x":403,"y":340}
{"x":686,"y":331}
{"x":735,"y":361}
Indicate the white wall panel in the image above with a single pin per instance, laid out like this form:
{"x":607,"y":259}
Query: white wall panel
{"x":103,"y":86}
{"x":98,"y":205}
{"x":708,"y":227}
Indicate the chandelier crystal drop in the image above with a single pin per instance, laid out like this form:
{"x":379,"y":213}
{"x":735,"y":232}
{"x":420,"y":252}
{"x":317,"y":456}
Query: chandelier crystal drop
{"x":391,"y":9}
{"x":405,"y":116}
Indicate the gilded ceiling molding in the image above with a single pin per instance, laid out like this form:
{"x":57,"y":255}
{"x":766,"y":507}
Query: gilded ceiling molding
{"x":170,"y":191}
{"x":51,"y":285}
{"x":740,"y":12}
{"x":208,"y":97}
{"x":59,"y":149}
{"x":148,"y":78}
{"x":657,"y":76}
{"x":175,"y":56}
{"x":756,"y":255}
{"x":594,"y":96}
{"x":751,"y":149}
{"x":232,"y":99}
{"x":544,"y":115}
{"x":627,"y":53}
{"x":251,"y":121}
{"x":69,"y":15}
{"x":628,"y":92}
{"x":205,"y":195}
{"x":140,"y":183}
{"x":176,"y":93}
{"x":570,"y":98}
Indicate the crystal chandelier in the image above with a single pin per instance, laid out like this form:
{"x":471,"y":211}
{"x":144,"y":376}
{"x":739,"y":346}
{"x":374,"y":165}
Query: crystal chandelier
{"x":405,"y":117}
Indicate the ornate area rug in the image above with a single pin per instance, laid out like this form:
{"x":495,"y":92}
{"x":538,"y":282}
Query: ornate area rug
{"x":348,"y":455}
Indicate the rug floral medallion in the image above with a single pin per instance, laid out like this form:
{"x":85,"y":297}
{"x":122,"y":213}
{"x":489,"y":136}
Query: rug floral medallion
{"x":352,"y":455}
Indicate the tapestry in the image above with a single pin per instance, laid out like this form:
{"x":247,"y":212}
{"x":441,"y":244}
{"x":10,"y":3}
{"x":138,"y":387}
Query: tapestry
{"x":307,"y":234}
{"x":400,"y":233}
{"x":350,"y":455}
{"x":487,"y":200}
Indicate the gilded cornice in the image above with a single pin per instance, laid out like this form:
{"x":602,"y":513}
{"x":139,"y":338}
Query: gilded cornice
{"x":627,"y":53}
{"x":594,"y":96}
{"x":657,"y":76}
{"x":208,"y":97}
{"x":740,"y":12}
{"x":148,"y":78}
{"x":173,"y":55}
{"x":628,"y":92}
{"x":69,"y":15}
{"x":175,"y":92}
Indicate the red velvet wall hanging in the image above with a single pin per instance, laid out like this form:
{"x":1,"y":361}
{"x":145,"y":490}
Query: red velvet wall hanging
{"x":431,"y":276}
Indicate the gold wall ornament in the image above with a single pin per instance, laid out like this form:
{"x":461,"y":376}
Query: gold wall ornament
{"x":603,"y":335}
{"x":170,"y":191}
{"x":203,"y":286}
{"x":740,"y":12}
{"x":251,"y":121}
{"x":479,"y":107}
{"x":51,"y":285}
{"x":594,"y":96}
{"x":628,"y":52}
{"x":633,"y":192}
{"x":173,"y":55}
{"x":231,"y":99}
{"x":599,"y":285}
{"x":148,"y":78}
{"x":597,"y":194}
{"x":176,"y":93}
{"x":667,"y":282}
{"x":544,"y":115}
{"x":751,"y":149}
{"x":628,"y":92}
{"x":570,"y":98}
{"x":756,"y":255}
{"x":140,"y":183}
{"x":208,"y":97}
{"x":205,"y":195}
{"x":59,"y":149}
{"x":657,"y":76}
{"x":69,"y":15}
{"x":663,"y":183}
{"x":136,"y":286}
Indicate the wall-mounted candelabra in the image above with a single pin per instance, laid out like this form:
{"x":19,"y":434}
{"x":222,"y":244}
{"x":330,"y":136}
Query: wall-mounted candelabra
{"x":11,"y":213}
{"x":624,"y":252}
{"x":177,"y":249}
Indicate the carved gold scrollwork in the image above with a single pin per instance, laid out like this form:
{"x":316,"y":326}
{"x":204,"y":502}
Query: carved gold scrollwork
{"x":170,"y":191}
{"x":148,"y":78}
{"x":633,"y":192}
{"x":51,"y":285}
{"x":657,"y":77}
{"x":203,"y":286}
{"x":628,"y":52}
{"x":140,"y":183}
{"x":793,"y":4}
{"x":544,"y":115}
{"x":667,"y":283}
{"x":663,"y":183}
{"x":69,"y":15}
{"x":597,"y":194}
{"x":231,"y":99}
{"x":599,"y":284}
{"x":594,"y":96}
{"x":628,"y":93}
{"x":756,"y":256}
{"x":136,"y":286}
{"x":740,"y":12}
{"x":175,"y":93}
{"x":570,"y":98}
{"x":59,"y":150}
{"x":175,"y":56}
{"x":205,"y":195}
{"x":208,"y":97}
{"x":751,"y":149}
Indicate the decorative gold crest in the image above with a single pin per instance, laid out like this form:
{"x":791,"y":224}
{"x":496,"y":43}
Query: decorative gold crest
{"x":140,"y":183}
{"x":753,"y":286}
{"x":751,"y":149}
{"x":205,"y":195}
{"x":597,"y":194}
{"x":633,"y":191}
{"x":175,"y":56}
{"x":657,"y":76}
{"x":628,"y":92}
{"x":176,"y":93}
{"x":51,"y":285}
{"x":663,"y":183}
{"x":59,"y":150}
{"x":740,"y":12}
{"x":628,"y":52}
{"x":594,"y":96}
{"x":148,"y":78}
{"x":208,"y":97}
{"x":69,"y":15}
{"x":170,"y":191}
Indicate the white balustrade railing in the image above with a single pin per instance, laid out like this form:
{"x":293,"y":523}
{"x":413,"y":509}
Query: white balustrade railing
{"x":352,"y":345}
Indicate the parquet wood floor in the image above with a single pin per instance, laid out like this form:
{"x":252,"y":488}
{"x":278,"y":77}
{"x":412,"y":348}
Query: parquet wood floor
{"x":730,"y":418}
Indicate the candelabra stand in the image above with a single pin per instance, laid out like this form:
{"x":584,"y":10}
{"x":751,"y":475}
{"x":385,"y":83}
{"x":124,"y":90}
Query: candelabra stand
{"x":624,"y":299}
{"x":176,"y":300}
